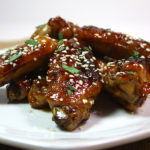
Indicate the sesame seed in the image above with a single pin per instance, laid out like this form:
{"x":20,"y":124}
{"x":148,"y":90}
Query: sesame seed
{"x":108,"y":33}
{"x":57,"y":66}
{"x":38,"y":82}
{"x":91,"y":102}
{"x":97,"y":35}
{"x":84,"y":101}
{"x":80,"y":82}
{"x":71,"y":80}
{"x":148,"y":49}
{"x":61,"y":99}
{"x":35,"y":59}
{"x":44,"y":41}
{"x":118,"y":73}
{"x":71,"y":76}
{"x":129,"y":42}
{"x":53,"y":96}
{"x":14,"y":64}
{"x":142,"y":56}
{"x":94,"y":83}
{"x":39,"y":77}
{"x":3,"y":57}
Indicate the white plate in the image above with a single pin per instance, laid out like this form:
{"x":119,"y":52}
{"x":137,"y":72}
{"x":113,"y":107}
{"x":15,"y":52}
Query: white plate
{"x":109,"y":125}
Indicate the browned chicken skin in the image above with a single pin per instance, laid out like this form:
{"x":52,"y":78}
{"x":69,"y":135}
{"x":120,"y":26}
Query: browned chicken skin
{"x":127,"y":80}
{"x":104,"y":42}
{"x":37,"y":92}
{"x":17,"y":90}
{"x":23,"y":59}
{"x":74,"y":83}
{"x":74,"y":75}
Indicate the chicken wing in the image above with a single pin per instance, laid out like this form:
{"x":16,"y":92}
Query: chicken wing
{"x":37,"y":92}
{"x":127,"y":80}
{"x":103,"y":41}
{"x":73,"y":83}
{"x":23,"y":59}
{"x":17,"y":90}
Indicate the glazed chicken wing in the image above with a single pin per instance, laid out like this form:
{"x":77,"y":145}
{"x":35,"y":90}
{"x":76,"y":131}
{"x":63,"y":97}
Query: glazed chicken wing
{"x":127,"y":80}
{"x":73,"y":83}
{"x":23,"y":59}
{"x":17,"y":90}
{"x":37,"y":92}
{"x":104,"y":42}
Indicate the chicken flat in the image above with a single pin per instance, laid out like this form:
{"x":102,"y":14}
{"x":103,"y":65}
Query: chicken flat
{"x":74,"y":83}
{"x":17,"y":90}
{"x":23,"y":59}
{"x":127,"y":80}
{"x":103,"y":41}
{"x":37,"y":93}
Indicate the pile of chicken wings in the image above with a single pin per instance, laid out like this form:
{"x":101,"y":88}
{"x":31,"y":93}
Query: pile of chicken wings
{"x":65,"y":67}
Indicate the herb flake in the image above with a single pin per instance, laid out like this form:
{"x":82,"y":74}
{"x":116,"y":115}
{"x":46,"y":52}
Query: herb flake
{"x":88,"y":26}
{"x":60,"y":42}
{"x":135,"y":55}
{"x":86,"y":48}
{"x":60,"y":35}
{"x":32,"y":42}
{"x":70,"y":69}
{"x":78,"y":52}
{"x":131,"y":72}
{"x":69,"y":92}
{"x":14,"y":57}
{"x":59,"y":49}
{"x":74,"y":45}
{"x":71,"y":88}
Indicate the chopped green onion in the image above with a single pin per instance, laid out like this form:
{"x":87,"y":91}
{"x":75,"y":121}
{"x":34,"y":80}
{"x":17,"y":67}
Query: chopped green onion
{"x":32,"y":42}
{"x":60,"y":49}
{"x":69,"y":92}
{"x":131,"y":72}
{"x":37,"y":27}
{"x":60,"y":35}
{"x":88,"y":26}
{"x":78,"y":52}
{"x":86,"y":48}
{"x":135,"y":55}
{"x":14,"y":57}
{"x":108,"y":29}
{"x":74,"y":45}
{"x":71,"y":87}
{"x":70,"y":69}
{"x":60,"y":42}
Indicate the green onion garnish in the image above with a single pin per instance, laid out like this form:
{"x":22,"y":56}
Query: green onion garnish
{"x":135,"y":55}
{"x":88,"y":26}
{"x":131,"y":72}
{"x":32,"y":42}
{"x":70,"y":69}
{"x":78,"y":52}
{"x":60,"y":35}
{"x":71,"y":87}
{"x":14,"y":57}
{"x":74,"y":45}
{"x":60,"y":42}
{"x":60,"y":49}
{"x":69,"y":92}
{"x":86,"y":48}
{"x":37,"y":27}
